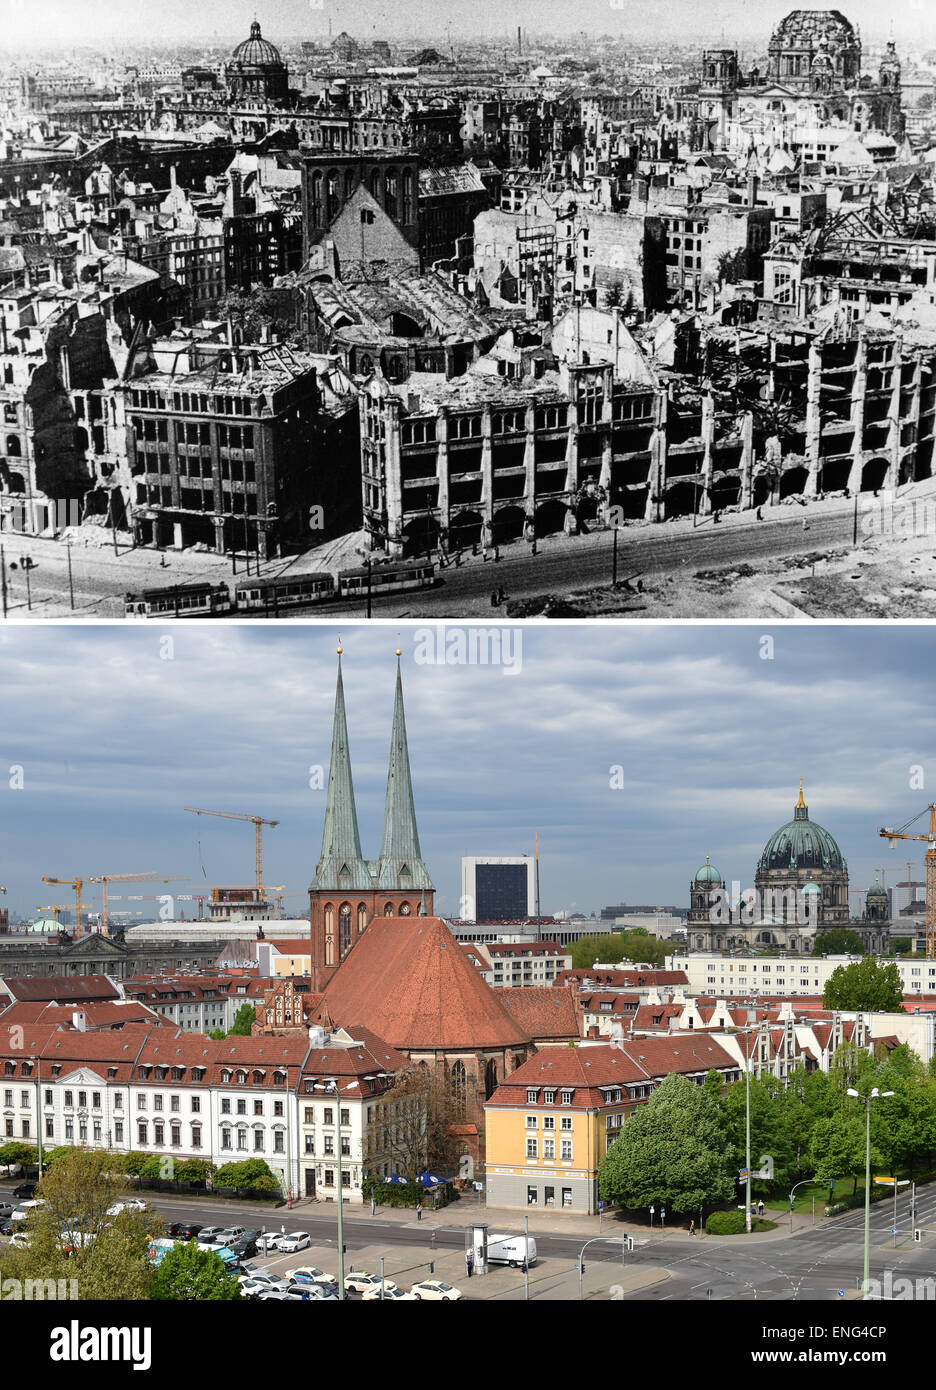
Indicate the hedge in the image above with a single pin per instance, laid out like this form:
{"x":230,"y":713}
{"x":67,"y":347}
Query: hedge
{"x":732,"y":1223}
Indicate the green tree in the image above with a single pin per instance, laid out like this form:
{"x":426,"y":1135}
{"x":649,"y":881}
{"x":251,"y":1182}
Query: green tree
{"x":189,"y":1274}
{"x":866,"y":986}
{"x":672,"y":1150}
{"x":244,"y":1021}
{"x":768,"y":1134}
{"x":193,"y":1170}
{"x":73,"y":1234}
{"x":837,"y":1146}
{"x":606,"y":950}
{"x":839,"y":941}
{"x":643,"y":949}
{"x":17,"y":1152}
{"x":251,"y":1172}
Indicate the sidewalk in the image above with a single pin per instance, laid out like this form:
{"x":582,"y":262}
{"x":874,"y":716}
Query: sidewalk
{"x":553,"y":1222}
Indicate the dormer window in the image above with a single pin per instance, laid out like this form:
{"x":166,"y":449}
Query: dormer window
{"x":242,"y":1078}
{"x":279,"y":1078}
{"x":566,"y":1097}
{"x":226,"y":1077}
{"x":531,"y":1096}
{"x":549,"y":1097}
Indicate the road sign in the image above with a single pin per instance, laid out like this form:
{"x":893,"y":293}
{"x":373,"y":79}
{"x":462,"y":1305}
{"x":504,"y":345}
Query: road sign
{"x":744,"y":1173}
{"x":841,"y":1293}
{"x":601,"y":1206}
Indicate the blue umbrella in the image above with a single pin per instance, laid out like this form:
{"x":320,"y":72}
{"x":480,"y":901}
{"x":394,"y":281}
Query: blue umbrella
{"x":431,"y":1180}
{"x":395,"y":1177}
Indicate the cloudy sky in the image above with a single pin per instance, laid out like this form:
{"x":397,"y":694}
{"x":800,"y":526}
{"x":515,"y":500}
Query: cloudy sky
{"x":89,"y":22}
{"x":116,"y":732}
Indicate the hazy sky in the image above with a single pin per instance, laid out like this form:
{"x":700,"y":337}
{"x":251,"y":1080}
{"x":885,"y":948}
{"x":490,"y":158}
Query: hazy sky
{"x":91,"y":22}
{"x":113,"y":741}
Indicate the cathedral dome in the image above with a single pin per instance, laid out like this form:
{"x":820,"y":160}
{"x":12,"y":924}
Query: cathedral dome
{"x":877,"y":891}
{"x":708,"y":876}
{"x":805,"y":29}
{"x":801,"y":844}
{"x":257,"y":52}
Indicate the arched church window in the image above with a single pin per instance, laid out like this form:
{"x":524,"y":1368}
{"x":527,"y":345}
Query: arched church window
{"x":459,"y":1087}
{"x":344,"y":927}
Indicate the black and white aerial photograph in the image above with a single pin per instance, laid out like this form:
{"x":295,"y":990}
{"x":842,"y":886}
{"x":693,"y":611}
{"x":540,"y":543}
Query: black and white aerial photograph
{"x":414,"y":948}
{"x":310,"y":311}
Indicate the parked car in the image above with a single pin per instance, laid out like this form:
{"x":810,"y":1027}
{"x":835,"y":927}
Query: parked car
{"x":393,"y":1295}
{"x":253,"y":1288}
{"x":25,"y":1190}
{"x":294,"y":1242}
{"x":317,"y":1292}
{"x":435,"y":1289}
{"x":311,"y":1275}
{"x":208,"y":1235}
{"x":6,"y":1210}
{"x":358,"y":1282}
{"x":267,"y":1241}
{"x":6,"y":1228}
{"x":21,"y":1212}
{"x":133,"y":1204}
{"x":228,"y":1234}
{"x":185,"y":1230}
{"x":244,"y":1248}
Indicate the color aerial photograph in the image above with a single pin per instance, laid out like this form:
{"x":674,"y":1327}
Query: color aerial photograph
{"x":396,"y":944}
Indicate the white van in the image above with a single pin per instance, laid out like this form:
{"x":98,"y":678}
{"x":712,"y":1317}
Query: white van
{"x":21,"y":1212}
{"x":516,"y":1251}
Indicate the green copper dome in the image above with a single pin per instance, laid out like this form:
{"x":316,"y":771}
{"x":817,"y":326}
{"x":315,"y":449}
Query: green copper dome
{"x":801,"y":844}
{"x":708,"y":874}
{"x":876,"y":890}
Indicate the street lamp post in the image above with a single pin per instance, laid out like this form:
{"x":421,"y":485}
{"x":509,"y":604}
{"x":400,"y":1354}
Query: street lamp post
{"x":875,"y":1094}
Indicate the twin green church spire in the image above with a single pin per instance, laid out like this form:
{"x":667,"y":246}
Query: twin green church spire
{"x":341,"y":865}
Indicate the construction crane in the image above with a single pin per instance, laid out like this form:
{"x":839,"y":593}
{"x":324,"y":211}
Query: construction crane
{"x":258,"y":824}
{"x":56,"y":908}
{"x":77,"y":884}
{"x":910,"y":883}
{"x":901,"y":834}
{"x":105,"y":879}
{"x":279,"y":894}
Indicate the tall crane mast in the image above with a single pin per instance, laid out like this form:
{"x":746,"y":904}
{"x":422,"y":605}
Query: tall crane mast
{"x":900,"y":834}
{"x":258,"y":824}
{"x":77,"y":884}
{"x":105,"y":879}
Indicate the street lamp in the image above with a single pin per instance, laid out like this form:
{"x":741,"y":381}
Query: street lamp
{"x":332,"y":1087}
{"x":874,"y":1095}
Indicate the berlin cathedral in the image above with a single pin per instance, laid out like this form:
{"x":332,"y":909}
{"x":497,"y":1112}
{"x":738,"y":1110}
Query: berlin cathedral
{"x":800,"y":891}
{"x":812,"y":79}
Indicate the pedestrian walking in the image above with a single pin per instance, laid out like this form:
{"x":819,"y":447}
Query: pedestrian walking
{"x":419,"y":1211}
{"x":495,"y":600}
{"x":760,"y":514}
{"x":692,"y":1228}
{"x":469,"y":1262}
{"x":760,"y":1208}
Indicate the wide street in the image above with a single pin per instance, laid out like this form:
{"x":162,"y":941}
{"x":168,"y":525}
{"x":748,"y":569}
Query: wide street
{"x":561,"y":565}
{"x":815,"y":1263}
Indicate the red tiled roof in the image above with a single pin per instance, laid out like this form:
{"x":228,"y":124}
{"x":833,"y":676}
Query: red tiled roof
{"x":542,"y":1011}
{"x":407,"y":980}
{"x":72,"y":987}
{"x":587,"y":1068}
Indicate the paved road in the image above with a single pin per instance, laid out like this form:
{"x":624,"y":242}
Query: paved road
{"x":561,"y":565}
{"x":812,"y":1265}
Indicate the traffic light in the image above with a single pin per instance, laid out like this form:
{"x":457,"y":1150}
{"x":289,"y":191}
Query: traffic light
{"x":917,"y":1235}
